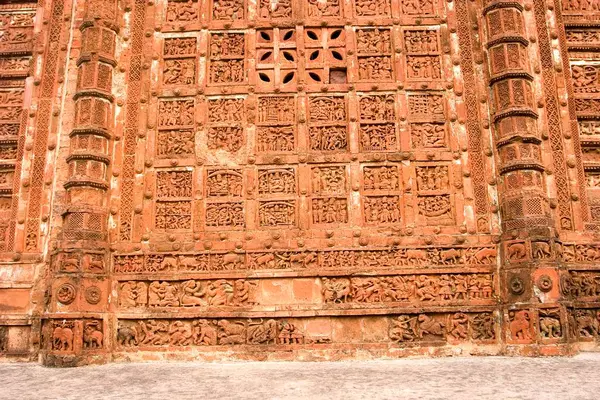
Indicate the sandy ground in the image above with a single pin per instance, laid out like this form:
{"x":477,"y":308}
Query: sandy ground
{"x":446,"y":378}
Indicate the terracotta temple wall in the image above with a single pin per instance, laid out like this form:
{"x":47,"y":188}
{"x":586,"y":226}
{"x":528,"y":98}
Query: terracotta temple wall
{"x":298,"y":179}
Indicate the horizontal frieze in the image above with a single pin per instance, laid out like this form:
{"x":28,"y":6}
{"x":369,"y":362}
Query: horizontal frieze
{"x":404,"y":329}
{"x":317,"y":260}
{"x":257,"y":294}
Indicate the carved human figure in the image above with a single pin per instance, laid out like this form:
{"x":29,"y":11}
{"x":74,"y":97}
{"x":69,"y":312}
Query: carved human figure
{"x":204,"y":333}
{"x":404,"y":329}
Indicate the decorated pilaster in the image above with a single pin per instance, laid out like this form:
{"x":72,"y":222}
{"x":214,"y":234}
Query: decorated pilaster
{"x":75,"y":322}
{"x":535,"y":200}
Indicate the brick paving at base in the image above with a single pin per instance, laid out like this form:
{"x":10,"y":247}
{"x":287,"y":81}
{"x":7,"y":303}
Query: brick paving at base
{"x":455,"y":378}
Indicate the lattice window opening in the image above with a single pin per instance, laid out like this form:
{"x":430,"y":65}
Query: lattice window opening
{"x":276,"y":60}
{"x":325,"y":57}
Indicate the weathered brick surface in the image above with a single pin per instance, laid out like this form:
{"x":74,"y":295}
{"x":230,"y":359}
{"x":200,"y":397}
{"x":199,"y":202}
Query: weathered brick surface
{"x":290,"y":179}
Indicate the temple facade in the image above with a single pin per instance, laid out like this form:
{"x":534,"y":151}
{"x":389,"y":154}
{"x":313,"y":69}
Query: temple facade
{"x":298,"y":179}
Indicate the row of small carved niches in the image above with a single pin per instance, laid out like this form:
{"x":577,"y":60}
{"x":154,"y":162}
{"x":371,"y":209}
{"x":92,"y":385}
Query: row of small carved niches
{"x":201,"y":14}
{"x":291,"y":129}
{"x":304,"y":58}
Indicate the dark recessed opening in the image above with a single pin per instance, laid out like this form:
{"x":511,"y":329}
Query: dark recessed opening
{"x":288,"y":35}
{"x":265,"y":56}
{"x":288,"y":77}
{"x":288,"y":56}
{"x":314,"y":76}
{"x":338,"y":75}
{"x":337,"y":55}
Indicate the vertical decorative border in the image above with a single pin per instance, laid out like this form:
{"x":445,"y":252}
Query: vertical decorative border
{"x":134,"y":91}
{"x":553,"y":120}
{"x":573,"y":124}
{"x":43,"y":123}
{"x":476,"y":159}
{"x":12,"y":224}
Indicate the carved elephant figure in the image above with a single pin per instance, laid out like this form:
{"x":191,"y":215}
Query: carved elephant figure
{"x":126,"y":336}
{"x":550,"y":327}
{"x":588,"y":325}
{"x":62,"y":339}
{"x":92,"y":337}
